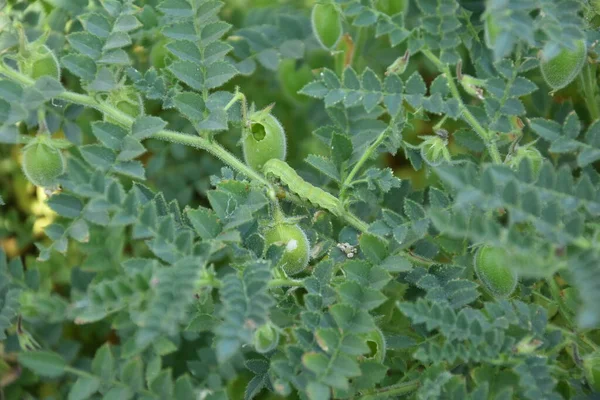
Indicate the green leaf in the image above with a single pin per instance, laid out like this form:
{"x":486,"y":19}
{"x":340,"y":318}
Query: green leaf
{"x":372,"y":87}
{"x":103,"y":364}
{"x":110,"y":135}
{"x":104,"y":81}
{"x":117,"y":57}
{"x":126,"y":23}
{"x":341,"y":149}
{"x":84,"y":388}
{"x":116,"y":40}
{"x":66,"y":205}
{"x":98,"y":156}
{"x":48,"y":87}
{"x":205,"y":222}
{"x":10,"y":91}
{"x":80,"y":65}
{"x":184,"y":388}
{"x":162,"y":385}
{"x":191,"y":105}
{"x":86,"y":43}
{"x":181,"y":31}
{"x":214,"y":31}
{"x":130,"y":149}
{"x":189,"y":73}
{"x":186,"y":51}
{"x":352,"y":320}
{"x":373,"y":247}
{"x":145,"y":126}
{"x":549,"y":130}
{"x":315,"y":89}
{"x":219,"y":73}
{"x":176,"y":8}
{"x":318,"y":391}
{"x":324,"y":165}
{"x":360,"y":297}
{"x":316,"y":362}
{"x":97,"y":24}
{"x":44,"y":363}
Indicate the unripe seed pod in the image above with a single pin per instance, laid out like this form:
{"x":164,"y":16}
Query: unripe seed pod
{"x":491,"y":268}
{"x":159,"y":54}
{"x":43,"y":163}
{"x":266,"y":338}
{"x":266,"y":140}
{"x":293,"y":79}
{"x":327,"y":25}
{"x":295,"y":246}
{"x":376,"y":337}
{"x":559,"y":71}
{"x":392,"y":7}
{"x":491,"y":31}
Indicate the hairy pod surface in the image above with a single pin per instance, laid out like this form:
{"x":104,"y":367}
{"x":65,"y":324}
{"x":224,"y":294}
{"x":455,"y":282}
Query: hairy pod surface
{"x":491,"y":268}
{"x":295,"y":246}
{"x":265,"y":141}
{"x":294,"y":78}
{"x":266,"y":338}
{"x":377,"y":340}
{"x":327,"y":25}
{"x":559,"y":71}
{"x":42,"y":163}
{"x":159,"y":54}
{"x":491,"y":31}
{"x":392,"y":7}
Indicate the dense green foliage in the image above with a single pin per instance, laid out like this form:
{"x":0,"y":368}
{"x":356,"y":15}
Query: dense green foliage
{"x":305,"y":199}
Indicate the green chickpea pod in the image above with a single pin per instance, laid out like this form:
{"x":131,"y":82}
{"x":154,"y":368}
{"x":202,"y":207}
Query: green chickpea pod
{"x":264,"y":140}
{"x":266,"y":338}
{"x":42,"y":162}
{"x":327,"y":25}
{"x":295,"y":244}
{"x":492,"y":270}
{"x":559,"y":71}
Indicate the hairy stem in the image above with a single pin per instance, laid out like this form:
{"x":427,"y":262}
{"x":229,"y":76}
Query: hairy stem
{"x":166,"y":135}
{"x":363,"y":159}
{"x":172,"y":136}
{"x":487,"y":136}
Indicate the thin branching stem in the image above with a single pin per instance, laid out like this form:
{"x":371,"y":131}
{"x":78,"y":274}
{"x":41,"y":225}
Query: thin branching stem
{"x":486,"y":136}
{"x":175,"y":137}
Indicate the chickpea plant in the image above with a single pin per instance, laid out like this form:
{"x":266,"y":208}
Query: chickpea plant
{"x":309,"y":199}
